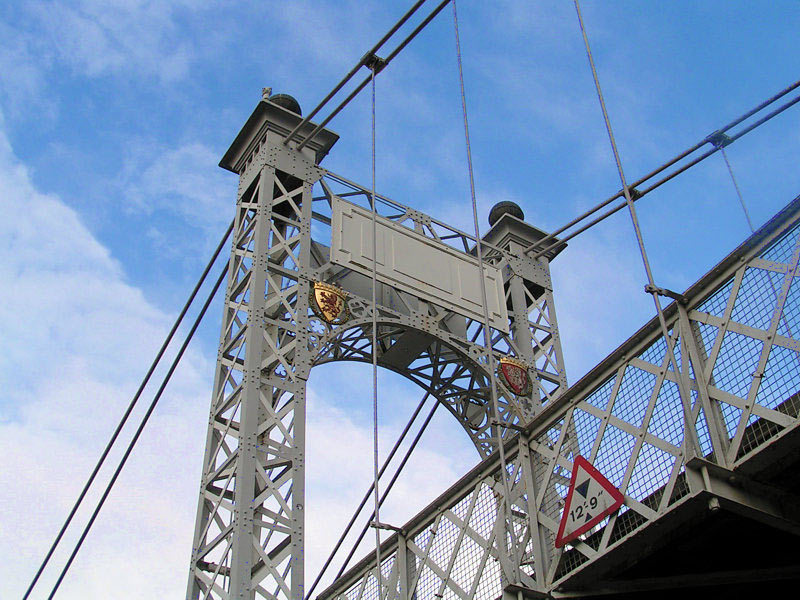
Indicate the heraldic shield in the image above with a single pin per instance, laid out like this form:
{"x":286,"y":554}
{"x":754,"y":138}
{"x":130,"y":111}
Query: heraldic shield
{"x":515,"y":375}
{"x":329,"y":303}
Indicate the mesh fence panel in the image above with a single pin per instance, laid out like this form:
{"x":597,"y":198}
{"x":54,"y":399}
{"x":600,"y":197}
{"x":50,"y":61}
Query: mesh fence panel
{"x":633,"y":395}
{"x":650,"y":475}
{"x":755,"y":302}
{"x":681,"y":488}
{"x":491,"y":582}
{"x":704,"y":435}
{"x":667,"y":420}
{"x":428,"y":583}
{"x":781,"y":378}
{"x":371,"y":590}
{"x":737,"y":361}
{"x":789,"y":325}
{"x":708,"y":335}
{"x":571,"y":559}
{"x":466,"y":567}
{"x":655,"y":353}
{"x":484,"y":515}
{"x":718,"y":301}
{"x":614,"y":454}
{"x":586,"y":428}
{"x":626,"y":522}
{"x":443,"y":543}
{"x":758,"y":431}
{"x":601,"y":395}
{"x":781,"y":250}
{"x":731,"y":415}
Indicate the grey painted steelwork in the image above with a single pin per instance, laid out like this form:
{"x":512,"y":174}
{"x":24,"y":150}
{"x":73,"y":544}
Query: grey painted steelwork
{"x":249,"y":531}
{"x":735,"y":333}
{"x":413,"y":263}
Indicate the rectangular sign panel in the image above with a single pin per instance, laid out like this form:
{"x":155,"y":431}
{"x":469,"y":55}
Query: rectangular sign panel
{"x":416,"y":264}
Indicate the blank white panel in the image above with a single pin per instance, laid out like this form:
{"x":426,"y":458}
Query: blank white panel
{"x":416,"y":264}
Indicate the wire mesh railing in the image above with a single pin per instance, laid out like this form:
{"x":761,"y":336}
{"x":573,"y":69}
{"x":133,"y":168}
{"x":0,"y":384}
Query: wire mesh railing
{"x":736,"y":343}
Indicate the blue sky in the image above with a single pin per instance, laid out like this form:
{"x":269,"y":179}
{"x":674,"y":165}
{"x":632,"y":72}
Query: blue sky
{"x":114,"y":114}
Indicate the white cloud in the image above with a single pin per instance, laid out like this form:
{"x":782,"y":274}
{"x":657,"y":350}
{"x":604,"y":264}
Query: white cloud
{"x":96,"y":38}
{"x":78,"y":338}
{"x":184,"y":181}
{"x":22,"y":69}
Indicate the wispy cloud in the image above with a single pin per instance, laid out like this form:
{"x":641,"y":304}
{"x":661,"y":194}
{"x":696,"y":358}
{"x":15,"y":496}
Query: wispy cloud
{"x":134,"y":37}
{"x":183,"y":180}
{"x":78,"y":339}
{"x":598,"y":282}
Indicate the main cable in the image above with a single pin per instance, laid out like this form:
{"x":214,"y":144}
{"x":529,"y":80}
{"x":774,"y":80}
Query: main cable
{"x":638,"y":194}
{"x":139,"y":430}
{"x":487,"y":336}
{"x":364,"y":83}
{"x":364,"y":60}
{"x":128,"y":411}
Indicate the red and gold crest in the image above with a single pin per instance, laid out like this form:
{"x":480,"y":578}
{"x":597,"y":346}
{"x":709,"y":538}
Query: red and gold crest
{"x":515,"y":375}
{"x":329,"y":303}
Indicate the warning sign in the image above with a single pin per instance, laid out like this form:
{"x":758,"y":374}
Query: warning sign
{"x":590,"y":499}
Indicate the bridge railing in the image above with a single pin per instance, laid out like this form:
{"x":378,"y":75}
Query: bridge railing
{"x":735,"y":335}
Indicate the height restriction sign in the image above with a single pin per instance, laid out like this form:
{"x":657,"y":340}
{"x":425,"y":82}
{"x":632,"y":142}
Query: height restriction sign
{"x":590,"y":499}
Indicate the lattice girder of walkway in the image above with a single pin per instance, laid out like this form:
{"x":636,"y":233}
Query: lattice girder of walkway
{"x":737,"y":344}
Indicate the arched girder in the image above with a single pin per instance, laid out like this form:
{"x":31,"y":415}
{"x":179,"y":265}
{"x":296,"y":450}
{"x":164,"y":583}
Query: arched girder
{"x":459,"y":381}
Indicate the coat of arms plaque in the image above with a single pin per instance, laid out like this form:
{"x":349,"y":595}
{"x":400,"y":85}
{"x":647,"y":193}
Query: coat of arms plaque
{"x":329,"y":303}
{"x":515,"y":375}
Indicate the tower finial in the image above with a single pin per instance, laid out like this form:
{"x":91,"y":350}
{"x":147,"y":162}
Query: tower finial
{"x":505,"y":207}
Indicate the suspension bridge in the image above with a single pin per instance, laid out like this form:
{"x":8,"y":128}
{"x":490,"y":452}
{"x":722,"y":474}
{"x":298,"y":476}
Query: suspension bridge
{"x":691,"y":423}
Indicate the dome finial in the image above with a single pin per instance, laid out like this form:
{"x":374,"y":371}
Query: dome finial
{"x":286,"y":101}
{"x":505,"y":207}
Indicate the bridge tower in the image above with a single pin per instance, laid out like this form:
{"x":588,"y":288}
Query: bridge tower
{"x":299,"y":294}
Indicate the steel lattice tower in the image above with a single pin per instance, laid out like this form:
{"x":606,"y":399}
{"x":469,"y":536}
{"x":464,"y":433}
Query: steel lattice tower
{"x":249,"y":533}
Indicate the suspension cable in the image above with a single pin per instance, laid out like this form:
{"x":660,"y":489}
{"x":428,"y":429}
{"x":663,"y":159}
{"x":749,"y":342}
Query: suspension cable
{"x":637,"y":193}
{"x":367,"y":495}
{"x":139,"y":430}
{"x":389,"y":487}
{"x":738,"y":191}
{"x":487,"y":336}
{"x":689,"y":438}
{"x":364,"y":83}
{"x":376,"y":474}
{"x":364,"y":60}
{"x":128,"y":411}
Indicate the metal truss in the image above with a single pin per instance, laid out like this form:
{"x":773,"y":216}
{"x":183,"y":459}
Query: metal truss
{"x":436,"y":348}
{"x":736,"y":338}
{"x":249,"y":532}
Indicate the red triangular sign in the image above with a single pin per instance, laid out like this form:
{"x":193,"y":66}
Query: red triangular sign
{"x":590,"y":499}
